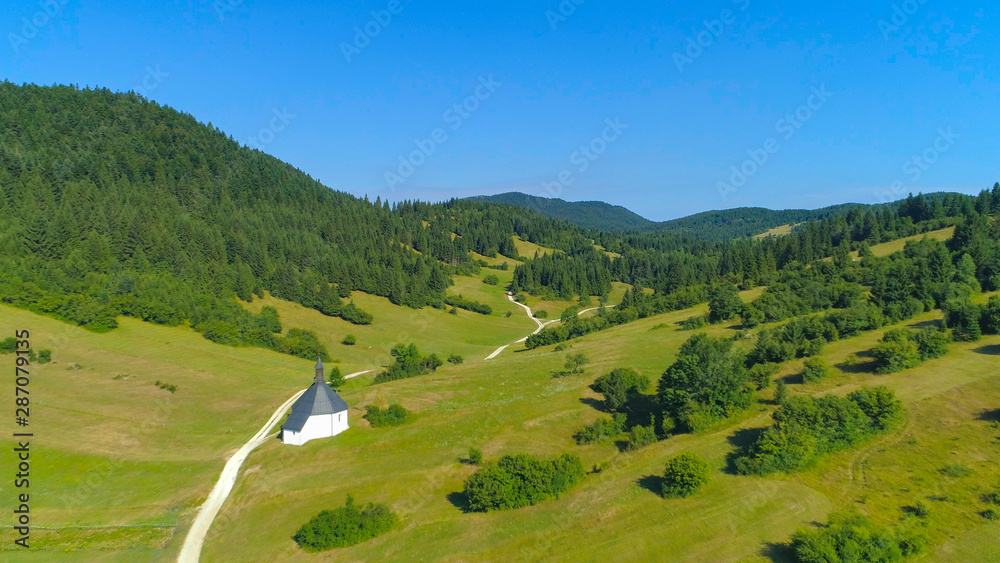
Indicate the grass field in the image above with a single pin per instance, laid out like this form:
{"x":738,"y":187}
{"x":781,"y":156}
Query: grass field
{"x":121,"y":465}
{"x":887,"y":248}
{"x":779,"y":231}
{"x":522,"y":407}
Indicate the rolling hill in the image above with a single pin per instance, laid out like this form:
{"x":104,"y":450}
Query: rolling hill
{"x":595,"y":215}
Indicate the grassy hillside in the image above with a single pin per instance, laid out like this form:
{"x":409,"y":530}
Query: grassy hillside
{"x":152,"y":476}
{"x":613,"y":515}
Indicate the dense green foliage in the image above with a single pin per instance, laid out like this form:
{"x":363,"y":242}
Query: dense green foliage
{"x":521,"y":480}
{"x":805,"y":428}
{"x":595,"y":215}
{"x":344,"y":526}
{"x":602,"y":429}
{"x":902,"y":349}
{"x":394,"y":415}
{"x":707,"y":382}
{"x":640,"y":436}
{"x":619,"y":386}
{"x":814,"y":369}
{"x":685,"y":474}
{"x":854,"y":538}
{"x":111,"y":205}
{"x":408,"y":362}
{"x":469,"y":305}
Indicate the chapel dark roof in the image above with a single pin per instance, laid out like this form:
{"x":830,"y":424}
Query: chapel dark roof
{"x":318,"y":399}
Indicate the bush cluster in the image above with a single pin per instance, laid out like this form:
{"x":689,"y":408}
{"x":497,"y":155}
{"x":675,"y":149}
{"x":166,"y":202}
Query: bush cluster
{"x":806,"y":428}
{"x":602,"y":429}
{"x":851,"y":538}
{"x":902,"y":349}
{"x":394,"y":415}
{"x":408,"y":363}
{"x":344,"y":526}
{"x":515,"y":481}
{"x":469,"y":305}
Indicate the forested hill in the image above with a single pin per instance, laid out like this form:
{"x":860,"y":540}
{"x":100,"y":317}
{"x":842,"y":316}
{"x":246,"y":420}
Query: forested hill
{"x":721,"y":225}
{"x":728,"y":224}
{"x":112,"y":205}
{"x":595,"y":215}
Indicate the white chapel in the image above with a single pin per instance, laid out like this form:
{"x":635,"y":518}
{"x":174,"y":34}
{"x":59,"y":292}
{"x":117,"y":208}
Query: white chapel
{"x":318,"y":413}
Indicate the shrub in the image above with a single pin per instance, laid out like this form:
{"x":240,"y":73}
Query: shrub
{"x":619,"y":386}
{"x":851,"y":360}
{"x":521,"y":480}
{"x":475,"y":456}
{"x":463,"y":303}
{"x":408,"y":363}
{"x":694,"y":323}
{"x":44,"y":356}
{"x":8,"y":345}
{"x":336,"y":378}
{"x":896,"y":352}
{"x":920,"y":510}
{"x":780,"y":392}
{"x":543,"y":314}
{"x":850,"y":538}
{"x":344,"y":526}
{"x":685,"y":475}
{"x":932,"y":342}
{"x":575,"y":362}
{"x":392,"y":416}
{"x":455,"y":359}
{"x":491,"y":279}
{"x":814,"y":370}
{"x":956,"y":470}
{"x":990,"y":514}
{"x":453,"y":311}
{"x":602,"y":429}
{"x":349,"y":340}
{"x":761,"y":374}
{"x":641,"y":436}
{"x":806,"y":428}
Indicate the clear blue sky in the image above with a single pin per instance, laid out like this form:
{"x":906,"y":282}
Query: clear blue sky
{"x":685,"y":121}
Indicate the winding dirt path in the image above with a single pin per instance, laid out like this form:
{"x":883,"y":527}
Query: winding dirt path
{"x":541,"y":325}
{"x":195,"y":539}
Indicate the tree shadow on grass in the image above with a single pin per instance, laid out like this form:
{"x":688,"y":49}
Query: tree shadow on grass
{"x":778,"y":552}
{"x":992,"y":350}
{"x":652,"y":483}
{"x":989,"y":415}
{"x":460,"y":501}
{"x":597,"y":404}
{"x":741,"y":440}
{"x":640,"y":409}
{"x":925,"y":324}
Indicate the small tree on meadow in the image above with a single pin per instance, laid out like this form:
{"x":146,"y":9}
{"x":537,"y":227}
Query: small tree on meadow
{"x":815,"y":369}
{"x":336,"y":378}
{"x":575,"y":362}
{"x":685,"y":475}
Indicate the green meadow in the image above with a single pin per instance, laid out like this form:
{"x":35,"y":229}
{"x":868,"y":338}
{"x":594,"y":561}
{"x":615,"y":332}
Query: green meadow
{"x":121,"y":465}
